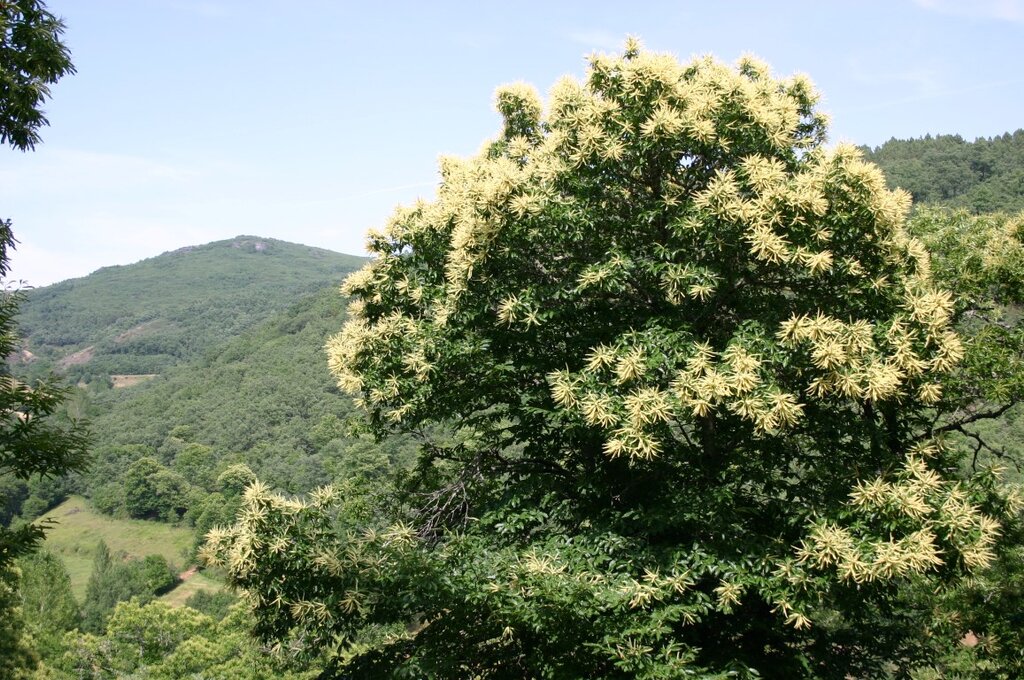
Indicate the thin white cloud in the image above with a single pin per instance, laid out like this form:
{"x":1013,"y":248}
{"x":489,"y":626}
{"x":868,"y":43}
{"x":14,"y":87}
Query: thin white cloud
{"x":35,"y":266}
{"x":602,"y":39}
{"x":378,"y":192}
{"x":56,"y":170}
{"x":919,"y":81}
{"x":937,"y":94}
{"x":77,"y":210}
{"x":102,"y":239}
{"x":203,"y":9}
{"x":1000,"y":10}
{"x":137,"y":236}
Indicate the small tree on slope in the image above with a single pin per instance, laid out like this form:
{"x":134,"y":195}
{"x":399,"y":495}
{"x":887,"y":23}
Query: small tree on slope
{"x":689,"y":357}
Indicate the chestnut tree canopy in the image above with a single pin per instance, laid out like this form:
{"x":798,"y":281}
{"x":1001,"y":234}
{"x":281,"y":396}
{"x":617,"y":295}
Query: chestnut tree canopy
{"x":679,"y":370}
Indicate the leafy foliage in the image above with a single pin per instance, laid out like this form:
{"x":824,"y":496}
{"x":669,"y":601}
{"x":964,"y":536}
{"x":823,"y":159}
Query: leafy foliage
{"x":32,"y":57}
{"x":216,"y":605}
{"x":17,"y":655}
{"x":34,"y":440}
{"x":152,"y":491}
{"x":167,"y":643}
{"x":982,"y":258}
{"x":695,"y":366}
{"x":47,"y":603}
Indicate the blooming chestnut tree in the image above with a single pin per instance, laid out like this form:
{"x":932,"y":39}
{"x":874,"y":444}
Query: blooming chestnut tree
{"x":684,"y":360}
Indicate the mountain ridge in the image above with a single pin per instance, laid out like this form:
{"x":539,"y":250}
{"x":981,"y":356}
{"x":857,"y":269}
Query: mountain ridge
{"x":164,"y":310}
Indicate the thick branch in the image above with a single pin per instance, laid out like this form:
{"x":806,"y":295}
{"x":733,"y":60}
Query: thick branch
{"x":957,"y":425}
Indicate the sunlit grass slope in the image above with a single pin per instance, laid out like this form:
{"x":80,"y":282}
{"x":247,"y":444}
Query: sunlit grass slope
{"x":79,"y":529}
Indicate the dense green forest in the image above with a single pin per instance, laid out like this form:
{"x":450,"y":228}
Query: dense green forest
{"x":264,"y":399}
{"x":985,"y":175}
{"x":659,"y":386}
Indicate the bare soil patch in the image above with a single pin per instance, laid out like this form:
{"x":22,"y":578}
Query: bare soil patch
{"x":122,"y":381}
{"x":133,"y":332}
{"x":82,"y":356}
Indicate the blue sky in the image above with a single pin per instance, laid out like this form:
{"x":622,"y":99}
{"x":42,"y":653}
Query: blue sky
{"x":191,"y":121}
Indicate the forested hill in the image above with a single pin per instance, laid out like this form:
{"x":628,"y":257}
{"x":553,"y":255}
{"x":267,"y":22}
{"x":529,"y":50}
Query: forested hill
{"x":264,"y":398}
{"x":985,"y":175}
{"x":142,"y":318}
{"x":200,"y":358}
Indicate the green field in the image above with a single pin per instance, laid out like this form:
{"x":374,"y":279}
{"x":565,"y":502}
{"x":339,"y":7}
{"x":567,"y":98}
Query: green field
{"x":79,"y":529}
{"x":195,"y":583}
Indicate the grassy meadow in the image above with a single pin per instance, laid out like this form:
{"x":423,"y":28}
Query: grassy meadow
{"x":79,"y":528}
{"x":186,"y":589}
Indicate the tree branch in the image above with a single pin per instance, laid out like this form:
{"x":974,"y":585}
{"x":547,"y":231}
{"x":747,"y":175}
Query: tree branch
{"x":957,"y":425}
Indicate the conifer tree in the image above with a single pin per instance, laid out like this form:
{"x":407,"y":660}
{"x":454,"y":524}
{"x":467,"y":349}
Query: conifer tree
{"x":689,"y":358}
{"x":48,"y":604}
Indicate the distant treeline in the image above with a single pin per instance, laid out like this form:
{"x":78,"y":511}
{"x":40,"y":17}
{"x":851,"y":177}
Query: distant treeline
{"x":986,"y":175}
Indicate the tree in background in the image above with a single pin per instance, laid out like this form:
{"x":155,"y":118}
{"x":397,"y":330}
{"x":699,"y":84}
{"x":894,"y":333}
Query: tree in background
{"x":17,"y":654}
{"x":162,"y":642}
{"x":985,"y":175}
{"x":99,"y":595}
{"x":47,"y":602}
{"x":116,"y":579}
{"x":219,"y":507}
{"x":151,"y":491}
{"x":137,"y":634}
{"x":216,"y":604}
{"x":695,"y":372}
{"x":981,"y":257}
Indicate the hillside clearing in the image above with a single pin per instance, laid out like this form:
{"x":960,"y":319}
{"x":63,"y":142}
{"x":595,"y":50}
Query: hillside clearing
{"x":189,"y":587}
{"x":82,"y":356}
{"x":79,"y":528}
{"x":122,"y":381}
